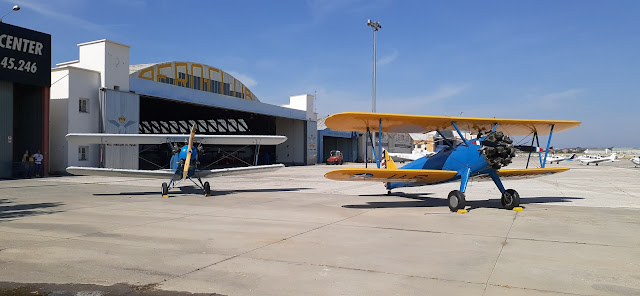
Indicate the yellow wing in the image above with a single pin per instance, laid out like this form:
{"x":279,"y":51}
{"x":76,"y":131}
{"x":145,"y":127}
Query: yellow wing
{"x":390,"y":175}
{"x":398,"y":123}
{"x":525,"y":173}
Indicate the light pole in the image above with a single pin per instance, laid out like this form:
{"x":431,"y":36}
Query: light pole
{"x":15,"y":8}
{"x":375,"y":26}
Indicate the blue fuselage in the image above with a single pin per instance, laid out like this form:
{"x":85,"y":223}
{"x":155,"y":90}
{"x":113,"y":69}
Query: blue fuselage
{"x":461,"y":159}
{"x":178,"y":160}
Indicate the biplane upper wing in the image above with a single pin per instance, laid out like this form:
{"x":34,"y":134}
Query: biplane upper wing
{"x":94,"y":138}
{"x":390,"y":175}
{"x":166,"y":174}
{"x":399,"y":123}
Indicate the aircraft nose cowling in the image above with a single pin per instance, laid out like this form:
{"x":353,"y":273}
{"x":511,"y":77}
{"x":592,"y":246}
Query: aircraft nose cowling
{"x":497,"y":149}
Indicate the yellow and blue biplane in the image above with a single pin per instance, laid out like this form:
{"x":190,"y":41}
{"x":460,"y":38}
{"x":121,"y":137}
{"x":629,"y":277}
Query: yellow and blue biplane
{"x":184,"y":162}
{"x":482,"y":157}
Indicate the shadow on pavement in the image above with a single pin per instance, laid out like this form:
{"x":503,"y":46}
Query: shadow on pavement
{"x":198,"y":191}
{"x":33,"y":289}
{"x":442,"y":202}
{"x":9,"y":211}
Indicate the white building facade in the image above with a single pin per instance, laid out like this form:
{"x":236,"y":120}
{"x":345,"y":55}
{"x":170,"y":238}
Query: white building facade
{"x":102,"y":93}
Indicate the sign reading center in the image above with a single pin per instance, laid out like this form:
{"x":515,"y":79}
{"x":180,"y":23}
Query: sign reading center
{"x":25,"y":56}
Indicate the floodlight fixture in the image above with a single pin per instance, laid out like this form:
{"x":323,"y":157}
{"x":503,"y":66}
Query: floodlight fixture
{"x":15,"y":8}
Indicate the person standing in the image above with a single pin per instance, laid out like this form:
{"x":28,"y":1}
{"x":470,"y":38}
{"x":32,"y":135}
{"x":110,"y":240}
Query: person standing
{"x":25,"y":163}
{"x":38,"y":160}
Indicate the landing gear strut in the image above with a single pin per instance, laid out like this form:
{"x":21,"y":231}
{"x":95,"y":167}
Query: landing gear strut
{"x":456,"y":200}
{"x":510,"y":199}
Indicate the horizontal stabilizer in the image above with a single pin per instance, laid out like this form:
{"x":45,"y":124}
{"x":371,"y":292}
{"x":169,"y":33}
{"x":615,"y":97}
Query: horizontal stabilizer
{"x":96,"y":138}
{"x":390,"y":175}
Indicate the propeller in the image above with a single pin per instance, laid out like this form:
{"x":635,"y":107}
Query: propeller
{"x":527,"y":148}
{"x":187,"y":161}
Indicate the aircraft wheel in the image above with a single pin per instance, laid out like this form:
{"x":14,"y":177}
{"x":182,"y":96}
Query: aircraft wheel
{"x":165,"y":189}
{"x":388,"y":192}
{"x":596,"y":163}
{"x":456,"y":200}
{"x":207,"y":189}
{"x":510,"y":199}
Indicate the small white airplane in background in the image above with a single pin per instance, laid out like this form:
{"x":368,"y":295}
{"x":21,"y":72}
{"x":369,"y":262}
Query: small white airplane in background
{"x":415,"y":154}
{"x":636,"y":161}
{"x":597,"y":159}
{"x":558,"y":159}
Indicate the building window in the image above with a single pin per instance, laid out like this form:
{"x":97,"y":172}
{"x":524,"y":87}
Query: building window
{"x":83,"y":105}
{"x":82,"y":152}
{"x":116,"y":87}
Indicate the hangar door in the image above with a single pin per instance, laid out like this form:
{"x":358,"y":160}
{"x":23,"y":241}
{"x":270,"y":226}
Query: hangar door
{"x":334,"y":143}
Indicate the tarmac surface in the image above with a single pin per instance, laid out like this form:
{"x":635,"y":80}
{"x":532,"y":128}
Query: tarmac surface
{"x":293,"y":232}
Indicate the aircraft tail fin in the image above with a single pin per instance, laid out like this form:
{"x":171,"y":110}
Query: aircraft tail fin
{"x":573,"y":156}
{"x":387,"y":162}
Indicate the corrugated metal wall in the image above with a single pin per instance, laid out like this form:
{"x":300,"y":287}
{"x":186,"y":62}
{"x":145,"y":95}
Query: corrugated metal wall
{"x":6,"y":128}
{"x":121,"y":115}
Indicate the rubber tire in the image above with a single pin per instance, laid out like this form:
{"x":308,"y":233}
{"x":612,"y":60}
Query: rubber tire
{"x":207,"y":188}
{"x":389,"y":192}
{"x":456,"y":200}
{"x":512,"y":202}
{"x":165,"y":189}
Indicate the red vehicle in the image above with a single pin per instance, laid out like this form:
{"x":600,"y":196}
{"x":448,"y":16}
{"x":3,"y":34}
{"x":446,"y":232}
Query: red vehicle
{"x":335,"y":157}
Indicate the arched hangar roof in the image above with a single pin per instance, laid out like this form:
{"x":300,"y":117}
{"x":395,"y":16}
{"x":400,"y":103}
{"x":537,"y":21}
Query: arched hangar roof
{"x":201,"y":84}
{"x":195,"y":76}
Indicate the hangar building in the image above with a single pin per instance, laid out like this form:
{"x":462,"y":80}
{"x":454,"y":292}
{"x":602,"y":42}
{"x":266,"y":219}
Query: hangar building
{"x":102,"y":93}
{"x":25,"y":57}
{"x":354,"y":145}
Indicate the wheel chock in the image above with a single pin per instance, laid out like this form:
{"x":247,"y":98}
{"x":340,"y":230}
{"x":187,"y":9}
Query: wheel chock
{"x":165,"y":196}
{"x":207,"y":195}
{"x":518,"y":209}
{"x":462,"y":211}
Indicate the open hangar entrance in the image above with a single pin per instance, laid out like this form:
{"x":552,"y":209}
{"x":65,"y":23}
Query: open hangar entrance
{"x":346,"y":142}
{"x":163,"y":116}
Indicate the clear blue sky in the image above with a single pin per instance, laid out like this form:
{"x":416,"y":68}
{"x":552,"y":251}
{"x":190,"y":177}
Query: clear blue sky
{"x":575,"y":60}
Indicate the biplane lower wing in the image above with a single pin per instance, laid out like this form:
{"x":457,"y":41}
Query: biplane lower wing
{"x":514,"y":174}
{"x":108,"y":172}
{"x":391,"y":175}
{"x":166,"y":174}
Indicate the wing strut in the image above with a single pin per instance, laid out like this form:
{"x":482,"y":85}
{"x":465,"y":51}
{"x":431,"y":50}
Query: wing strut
{"x":366,"y":149}
{"x":379,"y":156}
{"x":373,"y":147}
{"x":257,"y":153}
{"x":539,"y":153}
{"x":546,"y":152}
{"x":445,"y":139}
{"x":464,"y":140}
{"x":535,"y":135}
